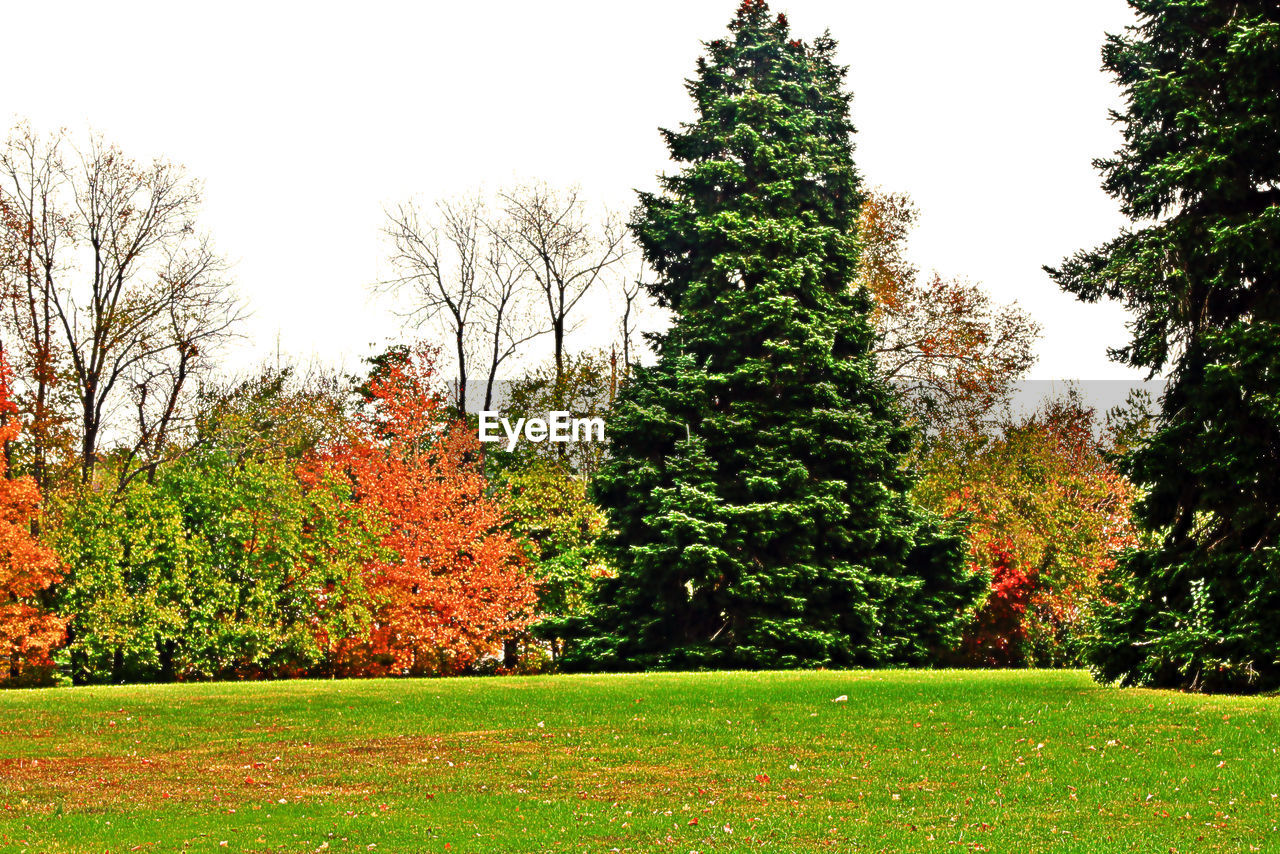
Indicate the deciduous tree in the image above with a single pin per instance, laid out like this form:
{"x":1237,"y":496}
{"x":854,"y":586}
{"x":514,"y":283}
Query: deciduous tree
{"x":31,"y":230}
{"x":241,"y":558}
{"x":586,"y":387}
{"x":549,"y":509}
{"x":453,"y":584}
{"x":117,"y":285}
{"x":1048,"y":514}
{"x":564,"y":250}
{"x":461,"y":274}
{"x":951,"y":354}
{"x":29,"y":631}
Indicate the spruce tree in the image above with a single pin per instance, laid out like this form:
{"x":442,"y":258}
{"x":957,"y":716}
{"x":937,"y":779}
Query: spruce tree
{"x":756,"y":489}
{"x":1199,"y":175}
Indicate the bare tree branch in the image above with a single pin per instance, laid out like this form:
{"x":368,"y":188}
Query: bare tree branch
{"x":121,"y":290}
{"x":565,"y":254}
{"x":437,"y":262}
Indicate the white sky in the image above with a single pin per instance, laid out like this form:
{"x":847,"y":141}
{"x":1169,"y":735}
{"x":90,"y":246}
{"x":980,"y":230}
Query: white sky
{"x":305,"y":119}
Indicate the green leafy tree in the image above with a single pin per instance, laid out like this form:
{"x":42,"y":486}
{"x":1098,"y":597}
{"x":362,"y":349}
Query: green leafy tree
{"x":127,"y":583}
{"x":1199,"y":175}
{"x":548,"y":507}
{"x":238,"y":559}
{"x":756,"y":493}
{"x":544,"y":491}
{"x":585,"y":385}
{"x":278,"y":569}
{"x":276,"y":412}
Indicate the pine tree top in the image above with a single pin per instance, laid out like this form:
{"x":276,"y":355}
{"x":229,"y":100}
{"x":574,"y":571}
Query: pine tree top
{"x":772,"y":143}
{"x":1199,"y":174}
{"x":1202,"y":90}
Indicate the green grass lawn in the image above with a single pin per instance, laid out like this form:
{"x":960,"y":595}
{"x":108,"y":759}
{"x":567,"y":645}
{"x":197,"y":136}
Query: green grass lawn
{"x":913,"y":761}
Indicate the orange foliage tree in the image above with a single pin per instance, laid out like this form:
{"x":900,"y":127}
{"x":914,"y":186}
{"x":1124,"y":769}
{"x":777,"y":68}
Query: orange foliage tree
{"x":452,"y":584}
{"x":29,"y":633}
{"x":1048,"y":515}
{"x":950,"y":351}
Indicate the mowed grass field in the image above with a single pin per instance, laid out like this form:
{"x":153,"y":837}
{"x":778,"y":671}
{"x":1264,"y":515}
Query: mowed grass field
{"x":912,"y":761}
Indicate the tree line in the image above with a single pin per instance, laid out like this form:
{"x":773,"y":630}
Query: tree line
{"x":189,"y":525}
{"x":813,"y":459}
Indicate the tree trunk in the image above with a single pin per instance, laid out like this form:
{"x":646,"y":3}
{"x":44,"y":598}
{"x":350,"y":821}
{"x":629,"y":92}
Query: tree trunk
{"x":462,"y":373}
{"x":557,"y":331}
{"x":166,"y":650}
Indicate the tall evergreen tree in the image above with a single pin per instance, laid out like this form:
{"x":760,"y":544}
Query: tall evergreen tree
{"x":756,"y":490}
{"x":1199,"y":174}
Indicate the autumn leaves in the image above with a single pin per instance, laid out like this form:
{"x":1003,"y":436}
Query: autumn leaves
{"x":451,"y":584}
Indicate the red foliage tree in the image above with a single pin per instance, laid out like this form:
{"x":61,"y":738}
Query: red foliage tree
{"x":29,"y":633}
{"x":453,"y":584}
{"x":999,"y":631}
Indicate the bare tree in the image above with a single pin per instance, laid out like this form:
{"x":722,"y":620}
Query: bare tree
{"x":185,"y":333}
{"x":565,"y":253}
{"x":437,"y":260}
{"x":632,"y":306}
{"x":509,"y":319}
{"x":460,"y":274}
{"x":121,"y":287}
{"x":33,"y":229}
